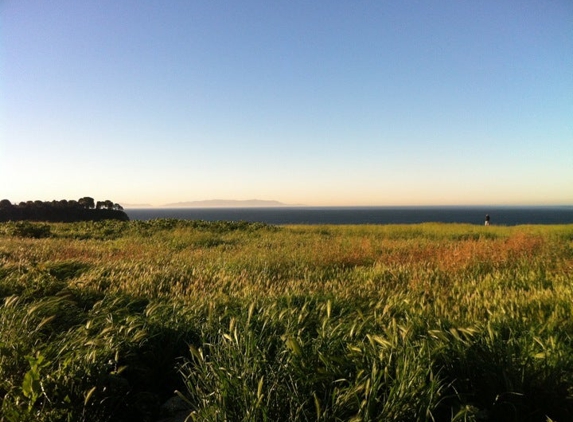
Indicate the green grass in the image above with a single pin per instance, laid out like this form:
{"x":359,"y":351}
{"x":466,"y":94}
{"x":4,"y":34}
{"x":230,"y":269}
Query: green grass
{"x":248,"y":322}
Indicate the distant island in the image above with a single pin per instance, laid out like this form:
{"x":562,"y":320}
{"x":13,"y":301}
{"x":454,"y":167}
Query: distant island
{"x":227,"y":203}
{"x":64,"y":211}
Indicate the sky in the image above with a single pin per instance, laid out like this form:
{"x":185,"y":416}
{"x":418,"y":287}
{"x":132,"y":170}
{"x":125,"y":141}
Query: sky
{"x":322,"y":103}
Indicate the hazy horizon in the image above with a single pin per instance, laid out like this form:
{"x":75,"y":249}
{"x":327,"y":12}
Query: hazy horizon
{"x":260,"y":203}
{"x":245,"y":204}
{"x":317,"y":103}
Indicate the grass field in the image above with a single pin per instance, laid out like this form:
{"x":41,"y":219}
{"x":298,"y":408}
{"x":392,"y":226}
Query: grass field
{"x":248,"y":322}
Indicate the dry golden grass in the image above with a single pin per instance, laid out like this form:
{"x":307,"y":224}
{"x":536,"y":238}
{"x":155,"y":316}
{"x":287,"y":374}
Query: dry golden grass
{"x":312,"y":322}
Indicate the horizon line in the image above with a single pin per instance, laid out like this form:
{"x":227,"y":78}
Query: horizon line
{"x":164,"y":206}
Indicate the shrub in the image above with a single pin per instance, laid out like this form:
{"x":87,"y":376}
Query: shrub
{"x":28,"y":229}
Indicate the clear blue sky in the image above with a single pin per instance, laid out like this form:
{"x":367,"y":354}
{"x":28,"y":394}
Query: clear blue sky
{"x":314,"y":102}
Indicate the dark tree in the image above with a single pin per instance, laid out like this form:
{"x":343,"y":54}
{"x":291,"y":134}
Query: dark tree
{"x":5,"y":204}
{"x":87,"y":202}
{"x":61,"y":211}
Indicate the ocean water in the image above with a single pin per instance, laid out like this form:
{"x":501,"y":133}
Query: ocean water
{"x":499,"y":215}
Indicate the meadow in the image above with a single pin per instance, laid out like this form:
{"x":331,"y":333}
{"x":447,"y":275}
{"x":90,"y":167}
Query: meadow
{"x":106,"y":321}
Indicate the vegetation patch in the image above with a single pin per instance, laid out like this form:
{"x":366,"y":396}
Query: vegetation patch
{"x":66,"y":270}
{"x":111,"y":320}
{"x":27,"y":229}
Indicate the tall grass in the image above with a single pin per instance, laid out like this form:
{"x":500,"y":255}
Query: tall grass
{"x":249,"y":322}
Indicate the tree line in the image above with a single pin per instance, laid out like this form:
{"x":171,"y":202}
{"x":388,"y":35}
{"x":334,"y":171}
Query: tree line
{"x":83,"y":209}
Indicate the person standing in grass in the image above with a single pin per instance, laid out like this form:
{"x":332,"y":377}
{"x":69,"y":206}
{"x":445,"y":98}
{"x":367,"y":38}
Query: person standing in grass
{"x":487,"y":219}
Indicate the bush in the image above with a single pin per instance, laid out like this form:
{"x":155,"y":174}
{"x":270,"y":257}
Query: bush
{"x":28,"y":229}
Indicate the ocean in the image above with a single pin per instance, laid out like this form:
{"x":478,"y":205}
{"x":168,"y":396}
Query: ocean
{"x":500,"y":215}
